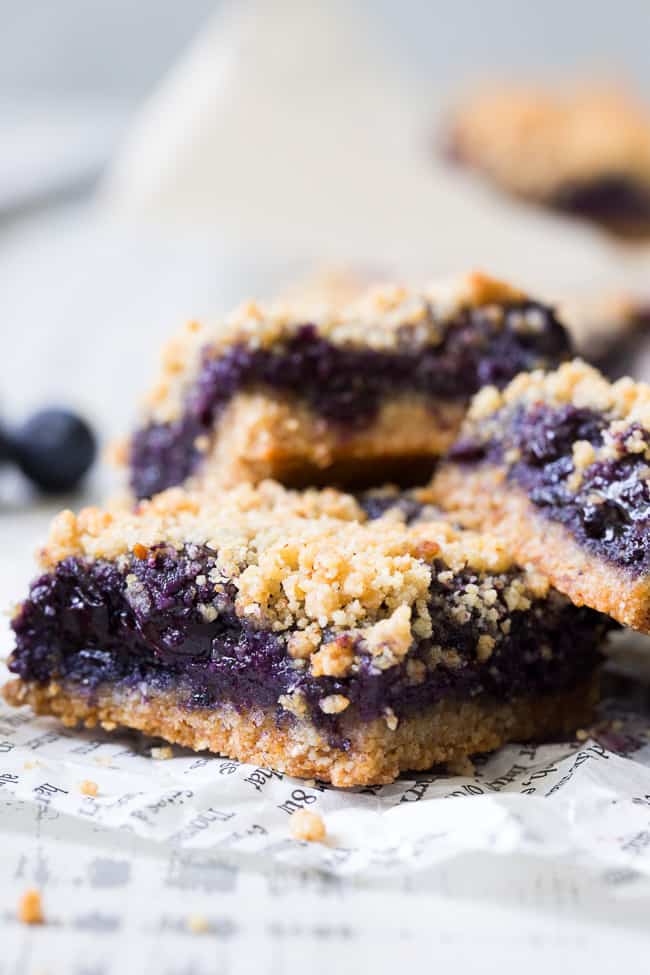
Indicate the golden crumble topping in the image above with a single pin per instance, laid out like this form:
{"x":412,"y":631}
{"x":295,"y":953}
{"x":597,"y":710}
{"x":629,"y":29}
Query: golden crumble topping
{"x":535,"y":140}
{"x":302,"y":563}
{"x":381,"y":317}
{"x":573,"y":382}
{"x":624,"y":405}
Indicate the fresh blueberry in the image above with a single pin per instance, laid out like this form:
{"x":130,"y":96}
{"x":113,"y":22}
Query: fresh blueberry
{"x":54,"y":449}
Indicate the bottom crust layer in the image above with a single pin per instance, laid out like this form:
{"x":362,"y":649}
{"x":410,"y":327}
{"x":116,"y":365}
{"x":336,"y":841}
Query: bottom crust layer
{"x":449,"y":732}
{"x":480,"y":497}
{"x":261,"y":436}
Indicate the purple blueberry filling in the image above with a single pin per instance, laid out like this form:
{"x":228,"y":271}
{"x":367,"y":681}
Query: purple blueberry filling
{"x":155,"y":624}
{"x":609,"y":514}
{"x":376,"y":505}
{"x":345,"y":385}
{"x":615,"y":200}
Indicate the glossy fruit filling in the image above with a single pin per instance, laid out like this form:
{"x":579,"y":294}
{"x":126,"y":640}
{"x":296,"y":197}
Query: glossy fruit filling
{"x":159,"y":624}
{"x":609,"y":511}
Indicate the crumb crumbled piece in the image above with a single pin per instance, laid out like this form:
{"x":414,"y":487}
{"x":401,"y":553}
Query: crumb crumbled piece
{"x":391,"y":719}
{"x":198,"y":923}
{"x":334,"y":703}
{"x":307,"y":825}
{"x":161,"y":752}
{"x":582,"y":734}
{"x":30,"y":908}
{"x":89,"y":788}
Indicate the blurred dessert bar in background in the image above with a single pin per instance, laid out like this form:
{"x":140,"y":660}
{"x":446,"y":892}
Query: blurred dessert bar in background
{"x":582,"y":149}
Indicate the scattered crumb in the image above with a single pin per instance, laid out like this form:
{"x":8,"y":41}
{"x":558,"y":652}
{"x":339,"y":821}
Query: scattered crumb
{"x":461,"y":766}
{"x":306,"y":825}
{"x":198,"y":923}
{"x":334,"y":703}
{"x":30,"y":909}
{"x":581,"y":734}
{"x":391,"y":719}
{"x":105,"y":761}
{"x":31,"y":763}
{"x":89,"y":788}
{"x":162,"y":753}
{"x":617,"y":725}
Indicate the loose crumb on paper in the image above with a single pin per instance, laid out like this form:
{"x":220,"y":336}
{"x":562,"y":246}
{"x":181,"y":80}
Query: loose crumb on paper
{"x":198,"y":924}
{"x":30,"y":908}
{"x":306,"y":825}
{"x":162,"y":753}
{"x":89,"y":788}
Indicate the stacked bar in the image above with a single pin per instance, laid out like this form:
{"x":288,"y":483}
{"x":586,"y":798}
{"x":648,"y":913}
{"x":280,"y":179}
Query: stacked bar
{"x":371,"y":392}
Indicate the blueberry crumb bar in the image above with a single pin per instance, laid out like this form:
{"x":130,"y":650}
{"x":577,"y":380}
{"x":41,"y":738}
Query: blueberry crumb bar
{"x":303,"y":631}
{"x":558,"y":464}
{"x":368,"y":392}
{"x":583,"y":150}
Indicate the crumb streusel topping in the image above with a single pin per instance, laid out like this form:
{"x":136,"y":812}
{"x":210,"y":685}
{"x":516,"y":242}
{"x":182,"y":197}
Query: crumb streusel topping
{"x":383,"y":318}
{"x":306,"y":562}
{"x":623,"y":405}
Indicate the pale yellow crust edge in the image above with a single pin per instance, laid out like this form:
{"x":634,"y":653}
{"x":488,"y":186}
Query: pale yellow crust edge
{"x":261,"y":436}
{"x":480,"y":497}
{"x":450,"y":731}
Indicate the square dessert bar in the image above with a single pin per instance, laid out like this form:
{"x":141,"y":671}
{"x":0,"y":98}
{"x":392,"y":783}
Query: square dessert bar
{"x":583,"y":150}
{"x":300,"y":632}
{"x":559,"y":465}
{"x":370,"y":392}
